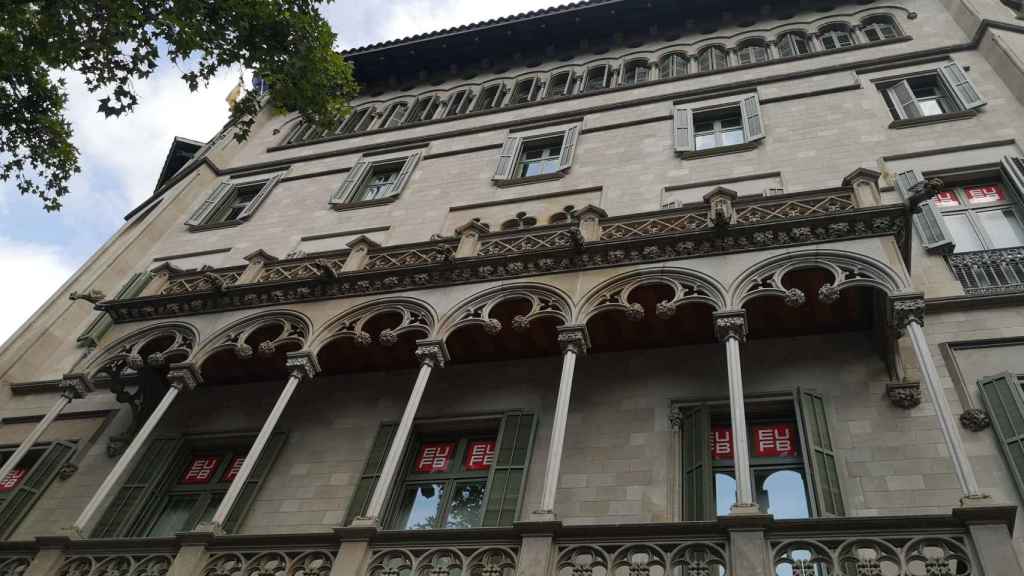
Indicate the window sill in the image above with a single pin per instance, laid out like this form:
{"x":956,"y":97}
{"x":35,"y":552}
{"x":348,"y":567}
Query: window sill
{"x":530,"y":179}
{"x":719,"y":150}
{"x":341,"y":207}
{"x":217,"y":226}
{"x":937,"y":119}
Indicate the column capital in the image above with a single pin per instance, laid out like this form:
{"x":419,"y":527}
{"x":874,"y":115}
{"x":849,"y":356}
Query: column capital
{"x":433,"y":353}
{"x":907,"y":308}
{"x":75,"y":385}
{"x":184,"y":376}
{"x":731,"y":324}
{"x":574,"y":337}
{"x":302,"y":364}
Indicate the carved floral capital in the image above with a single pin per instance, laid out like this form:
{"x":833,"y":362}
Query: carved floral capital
{"x":731,"y":324}
{"x":184,"y":376}
{"x":75,"y":386}
{"x":432,"y":353}
{"x":302,"y":365}
{"x":906,"y":309}
{"x":574,"y":338}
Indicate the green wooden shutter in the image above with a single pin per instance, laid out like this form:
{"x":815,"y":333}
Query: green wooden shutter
{"x":135,"y":497}
{"x":406,"y":173}
{"x":903,"y":98}
{"x":682,"y":129}
{"x":931,"y":226}
{"x":260,"y":197}
{"x":91,"y":336}
{"x":1005,"y":404}
{"x":965,"y":91}
{"x":507,"y":480}
{"x":819,"y":454}
{"x":371,"y":473}
{"x":698,"y":487}
{"x":1013,"y":171}
{"x":347,"y":189}
{"x":568,"y":148}
{"x":256,"y":478}
{"x":506,"y":159}
{"x":209,"y":205}
{"x":20,"y":501}
{"x":750,"y":108}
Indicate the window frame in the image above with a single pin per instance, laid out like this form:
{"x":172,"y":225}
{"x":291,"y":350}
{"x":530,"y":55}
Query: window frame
{"x":684,"y":127}
{"x":358,"y":121}
{"x":950,"y":78}
{"x":210,"y":211}
{"x":875,"y":23}
{"x":496,"y":101}
{"x":638,"y":65}
{"x":972,"y":212}
{"x":834,"y":31}
{"x":511,"y":153}
{"x":790,"y":37}
{"x":745,"y":48}
{"x":532,"y":94}
{"x":568,"y":89}
{"x":715,"y":64}
{"x":606,"y":77}
{"x":455,"y":106}
{"x":356,"y":180}
{"x":388,"y":120}
{"x":424,"y":108}
{"x":13,"y":506}
{"x":679,"y":60}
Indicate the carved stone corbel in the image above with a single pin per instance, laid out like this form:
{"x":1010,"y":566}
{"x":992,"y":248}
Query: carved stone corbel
{"x":93,"y":296}
{"x":975,"y":419}
{"x":432,"y":352}
{"x":574,"y":338}
{"x":302,"y":364}
{"x":731,"y":324}
{"x":75,"y":386}
{"x":904,"y":395}
{"x":907,"y":308}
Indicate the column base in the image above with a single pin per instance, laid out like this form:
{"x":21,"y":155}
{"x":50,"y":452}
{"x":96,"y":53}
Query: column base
{"x":745,"y":510}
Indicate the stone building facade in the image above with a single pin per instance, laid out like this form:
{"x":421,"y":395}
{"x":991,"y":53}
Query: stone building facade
{"x":631,"y":287}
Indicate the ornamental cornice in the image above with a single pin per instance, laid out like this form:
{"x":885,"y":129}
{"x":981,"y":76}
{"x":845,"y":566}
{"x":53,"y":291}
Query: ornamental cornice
{"x":646,"y":241}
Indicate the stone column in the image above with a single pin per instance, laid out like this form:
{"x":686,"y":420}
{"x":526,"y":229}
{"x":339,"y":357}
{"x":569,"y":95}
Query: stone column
{"x":50,"y":557}
{"x":537,"y":549}
{"x":574,"y":341}
{"x":908,"y":315}
{"x":301,"y":365}
{"x":181,"y":377}
{"x":748,"y":550}
{"x":430,"y":353}
{"x":72,"y":387}
{"x":731,"y":329}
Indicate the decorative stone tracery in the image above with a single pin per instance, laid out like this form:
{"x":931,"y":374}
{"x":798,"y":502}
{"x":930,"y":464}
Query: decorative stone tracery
{"x":458,"y":561}
{"x":687,"y":288}
{"x":355,"y":325}
{"x":290,"y":331}
{"x":543,"y":302}
{"x":271,"y":563}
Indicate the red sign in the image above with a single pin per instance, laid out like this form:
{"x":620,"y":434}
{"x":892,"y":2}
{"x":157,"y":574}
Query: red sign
{"x":984,"y":194}
{"x":721,"y":442}
{"x":13,"y":478}
{"x":233,"y":469}
{"x":435,"y":457}
{"x":201,"y":470}
{"x":480,"y":455}
{"x":946,"y":198}
{"x":775,"y":441}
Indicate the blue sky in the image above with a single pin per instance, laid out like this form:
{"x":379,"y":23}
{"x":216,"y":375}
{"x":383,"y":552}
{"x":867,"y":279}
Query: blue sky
{"x":121,"y":157}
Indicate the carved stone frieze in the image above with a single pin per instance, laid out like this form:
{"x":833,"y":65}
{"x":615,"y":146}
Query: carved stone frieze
{"x":904,"y":395}
{"x":975,"y":419}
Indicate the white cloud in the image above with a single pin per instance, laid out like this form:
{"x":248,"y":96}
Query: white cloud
{"x":35,"y":271}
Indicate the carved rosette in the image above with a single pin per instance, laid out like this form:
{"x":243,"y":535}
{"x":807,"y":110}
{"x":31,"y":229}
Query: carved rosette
{"x":75,"y":386}
{"x":635,"y":312}
{"x":184,"y":376}
{"x":520,"y":323}
{"x":243,"y":351}
{"x":731,"y":324}
{"x":363,"y":339}
{"x":574,"y":339}
{"x":665,"y":310}
{"x":302,"y":365}
{"x":904,"y":395}
{"x":432,"y":353}
{"x":135,"y":362}
{"x":794,"y":298}
{"x":828,"y":294}
{"x":907,"y":309}
{"x":156,"y":360}
{"x":266,"y":349}
{"x":975,"y":419}
{"x":492,"y":326}
{"x":387,"y":338}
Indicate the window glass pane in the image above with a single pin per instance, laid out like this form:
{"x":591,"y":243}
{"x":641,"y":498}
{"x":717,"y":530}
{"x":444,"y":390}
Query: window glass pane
{"x":1002,"y":227}
{"x":963,"y":233}
{"x":175,"y":515}
{"x":420,"y":506}
{"x":946,"y":199}
{"x":732,"y":136}
{"x":984,"y":194}
{"x":541,"y":157}
{"x":725,"y":492}
{"x":705,"y":141}
{"x":782,"y":493}
{"x":467,"y":504}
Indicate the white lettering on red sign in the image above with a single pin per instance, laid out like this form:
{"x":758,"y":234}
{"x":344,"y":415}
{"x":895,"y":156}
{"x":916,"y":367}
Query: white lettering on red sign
{"x":435,"y":457}
{"x":775,"y":441}
{"x":984,"y":194}
{"x":480,"y":455}
{"x":201,"y":470}
{"x":13,"y":478}
{"x":946,"y":198}
{"x":721,"y":442}
{"x":233,"y":469}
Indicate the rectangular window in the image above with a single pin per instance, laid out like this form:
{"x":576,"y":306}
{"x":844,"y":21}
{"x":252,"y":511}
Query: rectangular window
{"x":238,"y":200}
{"x":232,"y":202}
{"x":597,"y":78}
{"x":539,"y":156}
{"x":522,"y":158}
{"x":200,"y":482}
{"x":720,"y":127}
{"x":560,"y":85}
{"x":980,"y":217}
{"x":378,"y":180}
{"x":458,"y":103}
{"x":23,"y":486}
{"x":944,"y":91}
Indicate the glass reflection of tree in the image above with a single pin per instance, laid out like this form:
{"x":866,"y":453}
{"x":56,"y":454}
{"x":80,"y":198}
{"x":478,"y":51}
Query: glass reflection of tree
{"x":428,"y":493}
{"x":467,"y":504}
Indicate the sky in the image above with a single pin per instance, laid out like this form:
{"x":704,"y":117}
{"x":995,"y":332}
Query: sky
{"x":121,"y":157}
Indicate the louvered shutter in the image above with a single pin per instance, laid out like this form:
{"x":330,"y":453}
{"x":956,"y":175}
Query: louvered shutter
{"x":643,"y":73}
{"x":347,"y":190}
{"x":32,"y":486}
{"x":135,"y":499}
{"x":1005,"y":404}
{"x":91,"y":336}
{"x":1013,"y":169}
{"x":252,"y":485}
{"x":568,"y":148}
{"x":903,"y":98}
{"x":752,"y":123}
{"x":403,"y":176}
{"x":697,"y":481}
{"x":202,"y":213}
{"x":260,"y":197}
{"x":682,"y":129}
{"x":507,"y":479}
{"x":371,"y":472}
{"x":962,"y":86}
{"x":506,"y":159}
{"x":819,"y":454}
{"x":930,"y":225}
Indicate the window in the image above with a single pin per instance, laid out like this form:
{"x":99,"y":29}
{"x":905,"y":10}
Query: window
{"x":232,"y":202}
{"x":535,"y":156}
{"x":597,"y":78}
{"x":424,"y":109}
{"x":526,"y":90}
{"x":560,"y":85}
{"x":196,"y":486}
{"x":520,"y":221}
{"x":712,"y":58}
{"x":793,"y":465}
{"x":458,"y":103}
{"x":1004,"y":402}
{"x":25,"y":483}
{"x":394,"y":115}
{"x":358,"y":121}
{"x":672,"y":65}
{"x":490,"y":97}
{"x":370,"y":181}
{"x":793,"y":44}
{"x":836,"y":36}
{"x":635,"y":72}
{"x":718,"y":127}
{"x":755,"y":52}
{"x":944,"y":91}
{"x":879,"y":28}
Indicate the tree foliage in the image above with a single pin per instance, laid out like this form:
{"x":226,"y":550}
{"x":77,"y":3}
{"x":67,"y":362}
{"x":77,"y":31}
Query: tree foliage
{"x":111,"y":43}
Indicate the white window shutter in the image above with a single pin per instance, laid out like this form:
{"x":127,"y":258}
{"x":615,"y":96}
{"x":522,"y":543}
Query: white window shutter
{"x":965,"y":91}
{"x":403,"y":176}
{"x":903,"y":98}
{"x":568,"y":148}
{"x":682,"y":129}
{"x":507,"y":158}
{"x":260,"y":197}
{"x":347,"y":188}
{"x":751,"y":110}
{"x":931,"y":226}
{"x":209,"y":205}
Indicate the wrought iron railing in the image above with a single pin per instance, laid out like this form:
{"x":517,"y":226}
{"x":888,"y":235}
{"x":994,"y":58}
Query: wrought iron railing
{"x":989,"y":271}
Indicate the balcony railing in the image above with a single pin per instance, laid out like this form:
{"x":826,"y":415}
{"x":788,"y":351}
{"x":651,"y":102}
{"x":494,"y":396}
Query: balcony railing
{"x":989,"y":271}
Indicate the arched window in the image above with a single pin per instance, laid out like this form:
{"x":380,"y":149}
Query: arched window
{"x":880,"y":28}
{"x":672,"y":65}
{"x":793,"y":44}
{"x":836,"y":36}
{"x":712,"y":58}
{"x":559,"y":85}
{"x":519,"y":222}
{"x":635,"y":72}
{"x":753,"y":52}
{"x":562,"y":217}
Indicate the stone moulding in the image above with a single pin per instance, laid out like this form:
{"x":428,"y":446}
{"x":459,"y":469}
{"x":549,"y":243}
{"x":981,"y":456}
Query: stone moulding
{"x":652,"y":244}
